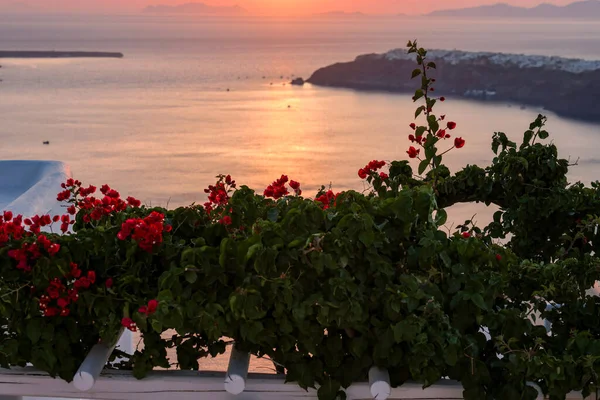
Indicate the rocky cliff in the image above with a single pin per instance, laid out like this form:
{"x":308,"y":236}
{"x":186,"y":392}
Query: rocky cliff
{"x":568,"y":87}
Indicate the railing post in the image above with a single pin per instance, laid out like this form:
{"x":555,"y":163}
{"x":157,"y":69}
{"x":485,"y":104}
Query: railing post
{"x":540,"y":395}
{"x":92,"y":366}
{"x":379,"y":383}
{"x":237,"y":371}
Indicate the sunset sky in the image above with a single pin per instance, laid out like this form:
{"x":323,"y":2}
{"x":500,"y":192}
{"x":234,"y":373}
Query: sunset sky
{"x":263,"y":7}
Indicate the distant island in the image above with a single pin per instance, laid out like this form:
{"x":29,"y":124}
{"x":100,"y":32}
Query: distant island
{"x":568,"y":87}
{"x":59,"y":54}
{"x":196,"y":8}
{"x":589,"y":9}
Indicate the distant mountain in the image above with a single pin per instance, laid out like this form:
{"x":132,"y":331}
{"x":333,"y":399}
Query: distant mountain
{"x":196,"y":8}
{"x":589,"y":9}
{"x":340,"y":14}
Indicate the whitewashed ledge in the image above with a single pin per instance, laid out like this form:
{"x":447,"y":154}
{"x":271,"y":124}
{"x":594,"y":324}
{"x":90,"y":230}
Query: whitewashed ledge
{"x":30,"y":187}
{"x":186,"y":385}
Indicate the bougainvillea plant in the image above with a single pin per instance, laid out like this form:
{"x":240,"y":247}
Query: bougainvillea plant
{"x":331,"y":286}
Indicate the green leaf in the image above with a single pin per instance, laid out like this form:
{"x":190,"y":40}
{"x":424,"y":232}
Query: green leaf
{"x":416,"y":73}
{"x":441,"y":217}
{"x":367,"y":237}
{"x":544,"y":135}
{"x":223,"y":252}
{"x":157,"y":326}
{"x":430,"y":151}
{"x":252,"y":250}
{"x":191,"y":276}
{"x":423,"y":166}
{"x":446,"y":259}
{"x":451,"y":355}
{"x":273,"y":214}
{"x":477,"y":299}
{"x":432,"y":65}
{"x":406,"y":330}
{"x":419,"y":111}
{"x":34,"y":330}
{"x":329,"y":390}
{"x":527,"y":138}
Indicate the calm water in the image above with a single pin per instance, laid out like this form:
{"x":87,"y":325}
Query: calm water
{"x":160,"y":124}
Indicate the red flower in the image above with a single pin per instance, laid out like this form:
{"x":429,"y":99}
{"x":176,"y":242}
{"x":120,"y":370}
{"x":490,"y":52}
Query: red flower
{"x":72,"y":210}
{"x":362,"y":174}
{"x":62,"y":302}
{"x":442,"y":98}
{"x":8,"y":215}
{"x":56,"y":218}
{"x":129,"y":324}
{"x":168,"y":228}
{"x":133,"y":202}
{"x":146,"y":232}
{"x":498,"y":257}
{"x":411,"y":138}
{"x":451,"y":125}
{"x":109,"y":283}
{"x":152,"y":306}
{"x":441,"y":133}
{"x":327,"y":199}
{"x":412,"y":152}
{"x":149,"y":309}
{"x":65,"y":312}
{"x":295,"y":185}
{"x":73,"y":295}
{"x":82,"y":283}
{"x":466,"y":235}
{"x":64,"y":195}
{"x":459,"y":142}
{"x":75,"y":271}
{"x":413,"y":126}
{"x":53,"y":292}
{"x":226,"y":220}
{"x":91,"y":276}
{"x":383,"y":175}
{"x":277,"y":189}
{"x":51,"y":312}
{"x":53,"y":249}
{"x":442,"y":117}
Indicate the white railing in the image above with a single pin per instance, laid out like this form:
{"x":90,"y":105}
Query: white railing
{"x":186,"y":385}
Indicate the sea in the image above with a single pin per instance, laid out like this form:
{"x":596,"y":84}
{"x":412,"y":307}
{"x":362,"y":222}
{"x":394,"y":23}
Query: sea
{"x":195,"y":97}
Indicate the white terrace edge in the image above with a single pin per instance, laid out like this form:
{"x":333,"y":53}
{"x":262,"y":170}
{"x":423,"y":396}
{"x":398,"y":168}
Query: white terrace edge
{"x":188,"y":385}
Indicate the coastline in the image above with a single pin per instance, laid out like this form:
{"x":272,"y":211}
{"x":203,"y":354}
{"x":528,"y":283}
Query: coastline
{"x":566,"y":87}
{"x":59,"y":54}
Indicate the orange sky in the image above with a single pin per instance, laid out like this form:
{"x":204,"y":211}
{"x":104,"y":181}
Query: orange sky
{"x":267,"y":7}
